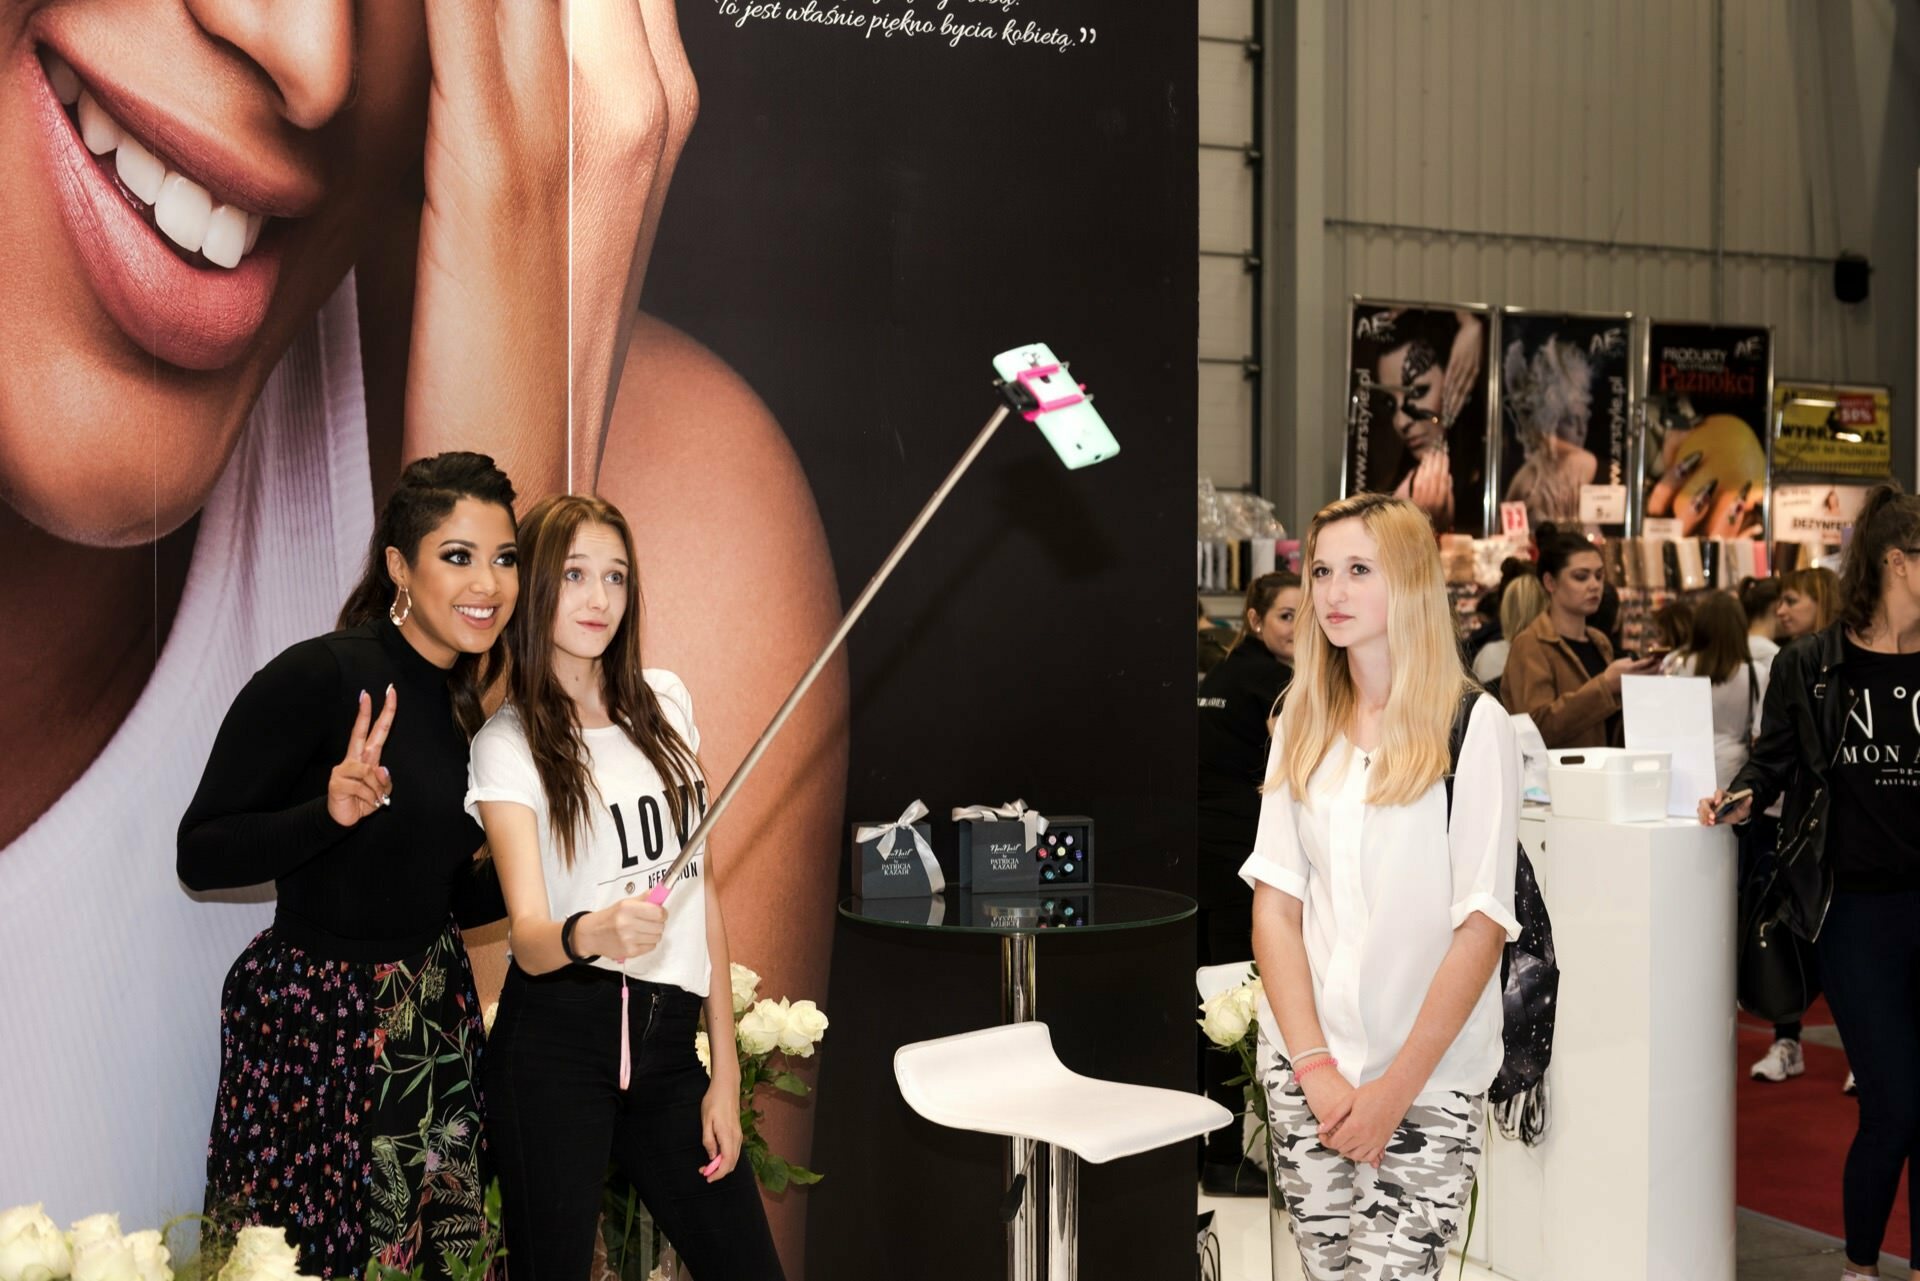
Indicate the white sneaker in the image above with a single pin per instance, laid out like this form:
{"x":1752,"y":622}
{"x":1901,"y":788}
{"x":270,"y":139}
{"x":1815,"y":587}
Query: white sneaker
{"x":1851,"y":1087}
{"x":1781,"y":1061}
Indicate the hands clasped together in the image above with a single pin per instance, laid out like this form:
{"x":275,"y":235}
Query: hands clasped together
{"x":1357,"y":1122}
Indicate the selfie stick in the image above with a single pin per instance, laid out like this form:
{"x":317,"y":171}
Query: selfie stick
{"x":1018,"y":395}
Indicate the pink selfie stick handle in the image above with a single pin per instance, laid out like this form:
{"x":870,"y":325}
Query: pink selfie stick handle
{"x":658,"y":894}
{"x":712,"y":1167}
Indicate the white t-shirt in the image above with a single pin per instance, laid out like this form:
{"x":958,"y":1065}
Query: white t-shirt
{"x":1384,"y":887}
{"x":630,"y":839}
{"x":111,"y":1003}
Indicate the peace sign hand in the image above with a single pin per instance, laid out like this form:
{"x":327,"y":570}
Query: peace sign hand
{"x":359,"y":784}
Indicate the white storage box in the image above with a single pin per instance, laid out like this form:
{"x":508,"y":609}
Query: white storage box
{"x":1610,"y":784}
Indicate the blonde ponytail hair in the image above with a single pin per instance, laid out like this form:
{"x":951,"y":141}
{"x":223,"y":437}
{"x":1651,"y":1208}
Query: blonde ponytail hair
{"x":1428,"y":675}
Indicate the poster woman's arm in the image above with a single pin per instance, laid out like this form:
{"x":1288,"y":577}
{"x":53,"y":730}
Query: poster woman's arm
{"x":536,"y":228}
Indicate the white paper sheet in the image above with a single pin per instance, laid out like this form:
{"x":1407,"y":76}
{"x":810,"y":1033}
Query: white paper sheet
{"x":1674,"y":714}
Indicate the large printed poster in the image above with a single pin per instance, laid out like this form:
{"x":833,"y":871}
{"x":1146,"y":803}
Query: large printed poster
{"x":1565,"y":411}
{"x":1708,"y":400}
{"x":1419,"y":408}
{"x":383,"y":246}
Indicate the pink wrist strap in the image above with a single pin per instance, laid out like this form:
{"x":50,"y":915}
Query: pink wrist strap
{"x":626,"y":1052}
{"x":1301,"y":1073}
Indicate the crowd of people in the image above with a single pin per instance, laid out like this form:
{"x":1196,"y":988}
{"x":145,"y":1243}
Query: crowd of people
{"x":1323,"y":737}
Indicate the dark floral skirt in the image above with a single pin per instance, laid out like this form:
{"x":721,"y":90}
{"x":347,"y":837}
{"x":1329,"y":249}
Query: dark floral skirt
{"x":349,"y":1110}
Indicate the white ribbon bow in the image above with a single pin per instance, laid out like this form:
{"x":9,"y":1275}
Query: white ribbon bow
{"x":888,"y":834}
{"x":1015,"y":811}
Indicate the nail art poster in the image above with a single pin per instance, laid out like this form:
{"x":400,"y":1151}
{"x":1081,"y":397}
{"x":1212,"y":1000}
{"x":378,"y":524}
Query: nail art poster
{"x":1566,"y":410}
{"x":1709,"y":396}
{"x":1419,"y":408}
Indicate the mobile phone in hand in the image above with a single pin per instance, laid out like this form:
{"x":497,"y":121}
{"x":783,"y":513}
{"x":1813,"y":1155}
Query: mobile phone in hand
{"x":1733,"y":802}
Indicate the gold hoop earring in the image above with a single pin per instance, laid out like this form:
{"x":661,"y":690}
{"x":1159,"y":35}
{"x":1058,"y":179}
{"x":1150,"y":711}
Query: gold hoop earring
{"x":397,"y":615}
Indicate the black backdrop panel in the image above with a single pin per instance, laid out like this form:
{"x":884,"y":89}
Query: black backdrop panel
{"x":857,"y":225}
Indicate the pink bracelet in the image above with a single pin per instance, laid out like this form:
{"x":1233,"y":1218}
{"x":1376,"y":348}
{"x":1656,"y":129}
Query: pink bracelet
{"x":1301,"y":1073}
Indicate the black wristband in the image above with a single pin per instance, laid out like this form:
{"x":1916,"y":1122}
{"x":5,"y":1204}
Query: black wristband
{"x":566,"y":941}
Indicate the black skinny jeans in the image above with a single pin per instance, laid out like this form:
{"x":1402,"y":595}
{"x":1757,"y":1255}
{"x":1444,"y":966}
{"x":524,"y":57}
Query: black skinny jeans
{"x":556,"y":1113}
{"x":1870,"y":961}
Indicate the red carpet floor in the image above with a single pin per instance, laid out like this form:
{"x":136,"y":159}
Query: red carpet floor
{"x":1791,"y":1139}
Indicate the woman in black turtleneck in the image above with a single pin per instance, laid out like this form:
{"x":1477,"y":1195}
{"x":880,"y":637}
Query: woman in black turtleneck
{"x":348,"y":1109}
{"x":1237,"y":701}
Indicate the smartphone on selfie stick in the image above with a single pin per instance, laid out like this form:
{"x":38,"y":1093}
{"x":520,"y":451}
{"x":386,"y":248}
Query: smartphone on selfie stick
{"x":1033,"y":383}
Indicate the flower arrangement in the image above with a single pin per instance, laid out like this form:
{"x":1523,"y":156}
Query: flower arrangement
{"x":1229,"y":1019}
{"x":32,"y":1248}
{"x":765,"y":1029}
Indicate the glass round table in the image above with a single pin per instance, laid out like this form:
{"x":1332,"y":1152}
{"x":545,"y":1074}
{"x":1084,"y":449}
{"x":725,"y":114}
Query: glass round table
{"x":1044,"y":1181}
{"x":1019,"y":919}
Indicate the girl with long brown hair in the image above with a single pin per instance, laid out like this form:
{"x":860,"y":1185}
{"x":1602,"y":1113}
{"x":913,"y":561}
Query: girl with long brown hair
{"x":587,"y":782}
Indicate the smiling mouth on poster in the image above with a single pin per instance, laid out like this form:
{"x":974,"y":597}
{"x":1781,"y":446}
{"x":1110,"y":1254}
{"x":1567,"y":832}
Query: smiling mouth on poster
{"x":1033,"y":383}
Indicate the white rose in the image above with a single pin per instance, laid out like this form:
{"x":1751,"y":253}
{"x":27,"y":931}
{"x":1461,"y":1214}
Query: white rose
{"x":150,"y":1256}
{"x":746,"y":985}
{"x":806,"y":1024}
{"x":1224,"y":1017}
{"x":105,"y":1259}
{"x":31,"y":1247}
{"x":762,"y":1026}
{"x":261,"y":1254}
{"x":93,"y":1230}
{"x":704,"y":1050}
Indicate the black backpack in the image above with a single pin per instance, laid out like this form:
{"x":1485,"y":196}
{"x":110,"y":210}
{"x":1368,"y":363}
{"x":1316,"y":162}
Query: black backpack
{"x":1529,"y":984}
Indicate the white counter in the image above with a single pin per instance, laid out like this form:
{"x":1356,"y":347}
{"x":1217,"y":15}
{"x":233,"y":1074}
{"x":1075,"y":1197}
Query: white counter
{"x":1635,"y":1176}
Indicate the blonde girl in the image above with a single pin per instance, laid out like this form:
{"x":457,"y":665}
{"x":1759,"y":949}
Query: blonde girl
{"x":1378,"y":923}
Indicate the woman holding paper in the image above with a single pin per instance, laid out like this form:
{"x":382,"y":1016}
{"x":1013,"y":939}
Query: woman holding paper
{"x":1838,"y":739}
{"x":587,"y":781}
{"x":1380,"y":1016}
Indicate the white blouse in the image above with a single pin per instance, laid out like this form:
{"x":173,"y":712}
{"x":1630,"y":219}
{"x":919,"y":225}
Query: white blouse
{"x":1383,"y":889}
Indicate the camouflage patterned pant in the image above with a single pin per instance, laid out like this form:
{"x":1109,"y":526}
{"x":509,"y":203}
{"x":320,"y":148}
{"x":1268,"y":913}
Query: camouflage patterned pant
{"x":1355,"y":1223}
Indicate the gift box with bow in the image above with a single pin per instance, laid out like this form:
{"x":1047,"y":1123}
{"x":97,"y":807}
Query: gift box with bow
{"x":997,"y":844}
{"x":895,"y":860}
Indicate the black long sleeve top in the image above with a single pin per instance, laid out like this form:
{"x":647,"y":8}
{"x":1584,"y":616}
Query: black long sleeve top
{"x":1236,"y":698}
{"x":260,"y":812}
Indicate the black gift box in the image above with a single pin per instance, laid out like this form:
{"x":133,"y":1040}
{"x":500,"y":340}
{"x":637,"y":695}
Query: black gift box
{"x":994,"y":856}
{"x":903,"y":875}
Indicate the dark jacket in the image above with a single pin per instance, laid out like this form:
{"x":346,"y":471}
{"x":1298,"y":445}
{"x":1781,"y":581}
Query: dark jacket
{"x":1801,"y":724}
{"x":1236,"y":699}
{"x":1235,"y":703}
{"x":1545,"y":680}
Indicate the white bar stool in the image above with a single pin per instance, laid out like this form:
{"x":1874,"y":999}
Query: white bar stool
{"x":1008,"y":1081}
